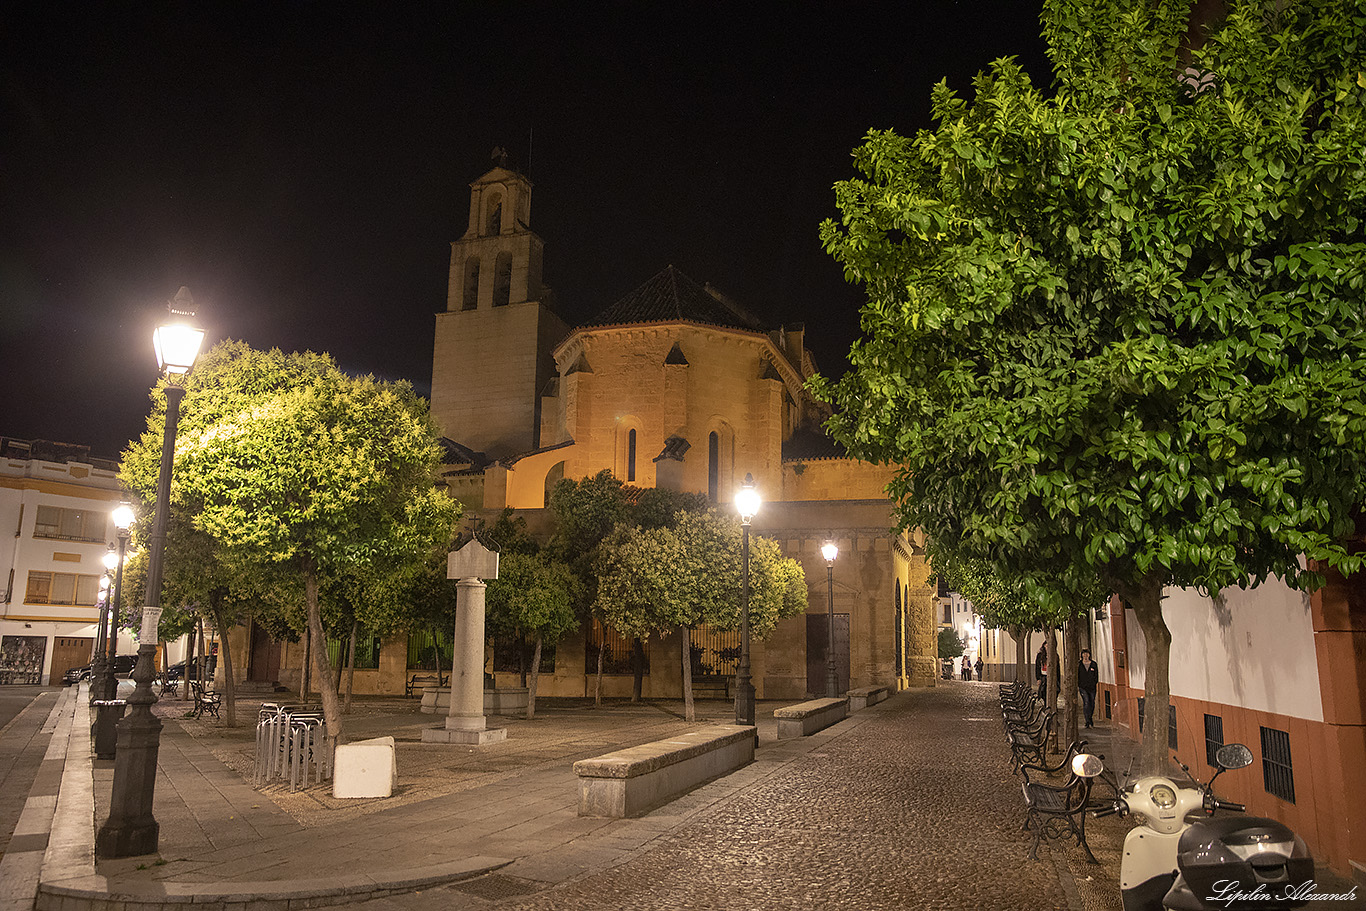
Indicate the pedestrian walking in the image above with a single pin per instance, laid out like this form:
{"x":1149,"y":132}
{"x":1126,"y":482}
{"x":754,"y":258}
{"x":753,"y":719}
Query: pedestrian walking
{"x":1088,"y":675}
{"x":1040,"y":671}
{"x":979,"y":667}
{"x":967,"y":668}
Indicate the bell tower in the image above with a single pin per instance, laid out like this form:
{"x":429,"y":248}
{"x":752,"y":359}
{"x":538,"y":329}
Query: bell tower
{"x":491,"y":357}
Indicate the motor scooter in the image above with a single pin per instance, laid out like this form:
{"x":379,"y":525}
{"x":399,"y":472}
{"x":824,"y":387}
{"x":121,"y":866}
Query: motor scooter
{"x":1180,"y":858}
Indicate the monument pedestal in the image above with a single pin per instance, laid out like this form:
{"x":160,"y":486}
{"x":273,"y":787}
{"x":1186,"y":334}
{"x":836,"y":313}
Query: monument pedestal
{"x":477,"y":738}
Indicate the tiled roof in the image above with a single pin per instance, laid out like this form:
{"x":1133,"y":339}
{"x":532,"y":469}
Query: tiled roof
{"x":670,"y":296}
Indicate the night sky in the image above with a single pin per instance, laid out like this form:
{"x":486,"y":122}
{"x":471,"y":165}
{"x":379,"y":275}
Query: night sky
{"x":303,"y":167}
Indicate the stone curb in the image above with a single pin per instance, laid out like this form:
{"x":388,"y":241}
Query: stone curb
{"x":98,"y":893}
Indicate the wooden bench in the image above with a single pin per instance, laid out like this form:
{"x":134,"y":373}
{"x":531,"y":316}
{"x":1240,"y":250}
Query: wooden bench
{"x":809,"y":717}
{"x":423,"y":680}
{"x":631,"y":781}
{"x":204,"y":700}
{"x":711,"y":687}
{"x":864,"y":696}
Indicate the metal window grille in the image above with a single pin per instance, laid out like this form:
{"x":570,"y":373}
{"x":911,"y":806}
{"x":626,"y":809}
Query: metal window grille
{"x":429,"y":650}
{"x":715,"y":652}
{"x":1171,"y":727}
{"x":1108,"y":706}
{"x":512,"y":653}
{"x":367,"y":650}
{"x":1214,"y":738}
{"x":1278,"y":773}
{"x":1141,"y":700}
{"x":616,"y":649}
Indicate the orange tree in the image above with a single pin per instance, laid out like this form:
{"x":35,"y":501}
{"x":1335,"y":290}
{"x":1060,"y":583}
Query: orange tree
{"x":1117,"y":331}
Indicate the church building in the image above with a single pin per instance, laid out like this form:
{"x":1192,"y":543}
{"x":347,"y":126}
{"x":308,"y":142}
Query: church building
{"x":677,"y":386}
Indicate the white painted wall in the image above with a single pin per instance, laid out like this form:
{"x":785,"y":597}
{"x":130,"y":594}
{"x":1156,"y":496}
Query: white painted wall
{"x":1253,"y":648}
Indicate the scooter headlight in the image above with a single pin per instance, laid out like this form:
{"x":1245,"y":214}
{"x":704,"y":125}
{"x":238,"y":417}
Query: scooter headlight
{"x":1163,"y":797}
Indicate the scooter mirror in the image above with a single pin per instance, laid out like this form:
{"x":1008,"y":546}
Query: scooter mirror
{"x":1085,"y":765}
{"x":1233,"y":756}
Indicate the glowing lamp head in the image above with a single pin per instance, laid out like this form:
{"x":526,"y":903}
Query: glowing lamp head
{"x":829,"y":550}
{"x":177,"y":341}
{"x":747,"y":500}
{"x":122,"y":516}
{"x":111,"y":559}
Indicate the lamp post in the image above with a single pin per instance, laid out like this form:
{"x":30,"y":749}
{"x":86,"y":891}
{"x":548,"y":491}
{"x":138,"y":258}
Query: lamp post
{"x":747,"y":504}
{"x":106,"y":685}
{"x":100,"y":658}
{"x":830,"y":551}
{"x":131,"y":829}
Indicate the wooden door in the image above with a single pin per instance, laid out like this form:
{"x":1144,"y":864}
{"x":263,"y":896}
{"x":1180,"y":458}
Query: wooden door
{"x":817,"y":632}
{"x":69,"y":652}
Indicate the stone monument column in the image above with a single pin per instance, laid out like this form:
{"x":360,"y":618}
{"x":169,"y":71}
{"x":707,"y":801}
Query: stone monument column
{"x":465,"y":721}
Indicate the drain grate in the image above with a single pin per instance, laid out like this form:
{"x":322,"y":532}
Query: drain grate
{"x":495,"y":886}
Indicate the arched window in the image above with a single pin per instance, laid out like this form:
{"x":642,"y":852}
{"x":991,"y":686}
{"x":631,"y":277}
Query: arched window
{"x":631,"y":455}
{"x":552,"y":477}
{"x":713,"y":464}
{"x":471,"y":299}
{"x":502,"y":280}
{"x":495,"y":219}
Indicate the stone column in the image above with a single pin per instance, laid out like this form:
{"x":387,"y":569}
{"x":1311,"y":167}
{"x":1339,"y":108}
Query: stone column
{"x":465,"y":721}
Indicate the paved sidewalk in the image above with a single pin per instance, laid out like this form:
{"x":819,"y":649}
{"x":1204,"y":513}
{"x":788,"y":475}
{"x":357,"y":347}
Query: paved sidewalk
{"x":907,"y":804}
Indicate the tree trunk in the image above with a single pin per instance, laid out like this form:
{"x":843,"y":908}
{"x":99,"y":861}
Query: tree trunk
{"x":1145,"y":597}
{"x":535,"y":679}
{"x":521,"y":657}
{"x":1070,"y":662}
{"x":597,"y":686}
{"x":189,"y":665}
{"x":229,"y":686}
{"x":308,"y":661}
{"x":1021,"y":652}
{"x":638,"y":666}
{"x":1051,"y":677}
{"x":688,"y":713}
{"x":351,"y":670}
{"x":327,"y":686}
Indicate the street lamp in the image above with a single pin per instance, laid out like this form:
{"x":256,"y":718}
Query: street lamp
{"x":131,"y":829}
{"x":747,"y":504}
{"x":106,"y":685}
{"x":102,"y":629}
{"x":829,"y":550}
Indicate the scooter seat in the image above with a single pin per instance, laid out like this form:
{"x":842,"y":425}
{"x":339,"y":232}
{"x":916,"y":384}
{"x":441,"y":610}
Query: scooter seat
{"x":1180,"y":897}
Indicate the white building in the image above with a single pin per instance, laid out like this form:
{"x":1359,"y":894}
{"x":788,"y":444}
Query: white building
{"x":56,"y":500}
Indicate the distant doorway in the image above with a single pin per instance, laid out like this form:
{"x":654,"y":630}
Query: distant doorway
{"x":817,"y":629}
{"x":265,"y":656}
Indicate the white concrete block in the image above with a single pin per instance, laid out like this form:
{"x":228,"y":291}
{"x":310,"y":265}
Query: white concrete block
{"x":366,"y":768}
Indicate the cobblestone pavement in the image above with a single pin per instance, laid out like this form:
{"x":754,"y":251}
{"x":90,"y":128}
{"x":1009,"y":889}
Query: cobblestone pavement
{"x":910,"y":805}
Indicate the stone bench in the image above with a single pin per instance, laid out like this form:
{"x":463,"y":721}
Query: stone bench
{"x":809,"y":717}
{"x":865,"y":696}
{"x":640,"y":778}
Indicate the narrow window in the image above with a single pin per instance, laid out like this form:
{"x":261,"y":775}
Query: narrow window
{"x":631,"y":455}
{"x":1141,"y":701}
{"x":495,"y":222}
{"x":1171,"y":728}
{"x":502,"y":281}
{"x":471,"y":298}
{"x":1214,"y":738}
{"x":1278,"y":773}
{"x":1107,"y":705}
{"x":713,"y":464}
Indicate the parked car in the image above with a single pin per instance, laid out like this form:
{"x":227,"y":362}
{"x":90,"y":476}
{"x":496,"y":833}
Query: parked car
{"x":123,"y":666}
{"x":204,"y":668}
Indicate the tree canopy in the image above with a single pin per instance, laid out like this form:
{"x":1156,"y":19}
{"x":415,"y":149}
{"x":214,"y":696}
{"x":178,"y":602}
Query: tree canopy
{"x":290,"y":465}
{"x":1116,"y":331}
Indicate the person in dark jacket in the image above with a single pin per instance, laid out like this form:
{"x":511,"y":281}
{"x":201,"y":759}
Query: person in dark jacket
{"x":1040,"y":665}
{"x":1088,"y":675}
{"x":978,"y":667}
